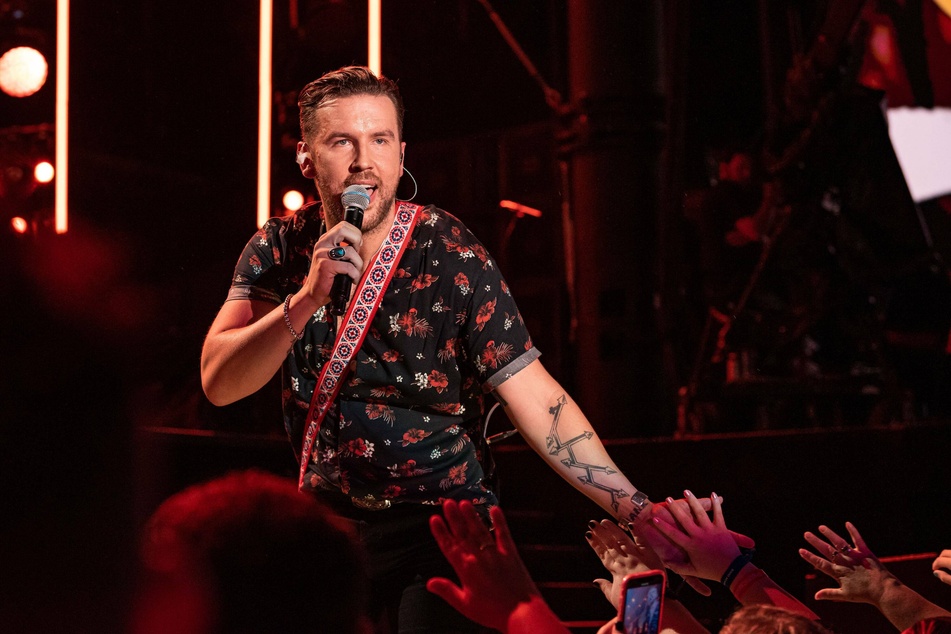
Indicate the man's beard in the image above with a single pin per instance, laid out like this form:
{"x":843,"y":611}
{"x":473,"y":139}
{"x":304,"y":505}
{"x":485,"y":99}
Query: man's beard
{"x":373,"y":216}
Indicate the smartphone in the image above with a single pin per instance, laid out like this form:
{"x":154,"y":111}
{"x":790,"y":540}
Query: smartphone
{"x":642,"y":602}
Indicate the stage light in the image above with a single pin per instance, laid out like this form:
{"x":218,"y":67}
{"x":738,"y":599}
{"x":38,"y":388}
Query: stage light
{"x":293,"y":200}
{"x":22,"y":71}
{"x":43,"y":172}
{"x":265,"y":96}
{"x":519,"y":209}
{"x":20,"y":225}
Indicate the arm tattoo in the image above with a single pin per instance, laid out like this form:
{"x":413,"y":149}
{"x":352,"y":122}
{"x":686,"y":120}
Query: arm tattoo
{"x":556,"y":446}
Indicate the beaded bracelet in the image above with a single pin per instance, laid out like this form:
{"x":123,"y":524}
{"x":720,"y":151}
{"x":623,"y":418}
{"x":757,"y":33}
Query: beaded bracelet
{"x":735,"y":566}
{"x":287,"y":320}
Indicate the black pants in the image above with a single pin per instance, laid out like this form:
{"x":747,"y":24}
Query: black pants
{"x":402,"y":556}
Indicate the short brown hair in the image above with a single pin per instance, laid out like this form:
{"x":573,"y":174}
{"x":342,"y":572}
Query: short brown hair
{"x":265,"y":550}
{"x":770,"y":619}
{"x":345,"y":82}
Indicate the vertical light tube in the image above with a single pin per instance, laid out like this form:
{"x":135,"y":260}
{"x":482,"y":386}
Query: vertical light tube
{"x":61,"y":219}
{"x":264,"y":112}
{"x":373,"y":36}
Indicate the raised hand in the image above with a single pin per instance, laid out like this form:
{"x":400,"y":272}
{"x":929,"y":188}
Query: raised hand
{"x":860,"y":575}
{"x":709,"y":545}
{"x":620,"y":555}
{"x":942,"y":567}
{"x":496,"y":589}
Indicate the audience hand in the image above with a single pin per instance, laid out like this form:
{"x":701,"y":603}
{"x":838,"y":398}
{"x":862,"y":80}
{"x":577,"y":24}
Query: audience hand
{"x":620,"y":555}
{"x":860,"y":575}
{"x":863,"y":579}
{"x":496,"y":589}
{"x":674,"y":556}
{"x":709,"y":545}
{"x":942,"y":567}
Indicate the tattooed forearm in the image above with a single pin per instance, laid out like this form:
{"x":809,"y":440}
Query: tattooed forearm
{"x":556,"y":446}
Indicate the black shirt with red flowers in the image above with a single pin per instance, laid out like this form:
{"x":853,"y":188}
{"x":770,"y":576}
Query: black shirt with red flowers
{"x":407,"y":423}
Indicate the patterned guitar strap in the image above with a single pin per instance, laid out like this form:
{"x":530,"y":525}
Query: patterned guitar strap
{"x":356,"y":323}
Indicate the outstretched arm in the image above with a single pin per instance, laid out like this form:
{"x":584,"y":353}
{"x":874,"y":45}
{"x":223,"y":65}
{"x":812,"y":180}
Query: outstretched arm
{"x":496,"y":589}
{"x":863,"y":579}
{"x":556,"y":428}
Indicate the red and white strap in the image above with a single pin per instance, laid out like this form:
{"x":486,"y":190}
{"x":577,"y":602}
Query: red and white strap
{"x":356,"y":322}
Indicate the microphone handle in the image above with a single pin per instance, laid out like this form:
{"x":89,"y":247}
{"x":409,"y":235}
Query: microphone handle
{"x":340,"y":291}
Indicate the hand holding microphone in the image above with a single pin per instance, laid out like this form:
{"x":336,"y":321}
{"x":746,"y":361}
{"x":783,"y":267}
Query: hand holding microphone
{"x":355,"y":200}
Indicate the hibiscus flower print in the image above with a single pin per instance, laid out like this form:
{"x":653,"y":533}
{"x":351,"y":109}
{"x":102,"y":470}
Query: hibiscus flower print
{"x":450,"y":408}
{"x":391,"y":356}
{"x":255,"y":263}
{"x":413,"y":436}
{"x":385,"y":392}
{"x":358,"y":447}
{"x":423,"y":280}
{"x":412,"y":325}
{"x":438,"y":380}
{"x":463,"y":283}
{"x":495,"y":355}
{"x":393,"y":491}
{"x":454,"y":246}
{"x":485,"y":314}
{"x":456,"y":476}
{"x":407,"y":470}
{"x":449,"y":350}
{"x":380,"y":410}
{"x":480,"y":252}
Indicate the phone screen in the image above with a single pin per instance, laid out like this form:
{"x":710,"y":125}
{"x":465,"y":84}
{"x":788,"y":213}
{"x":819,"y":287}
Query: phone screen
{"x":642,"y":603}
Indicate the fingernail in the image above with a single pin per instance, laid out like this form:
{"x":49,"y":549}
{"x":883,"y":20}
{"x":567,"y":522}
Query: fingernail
{"x":687,"y":493}
{"x":714,"y":494}
{"x":588,"y":535}
{"x":936,"y":573}
{"x":592,"y":524}
{"x":670,"y":500}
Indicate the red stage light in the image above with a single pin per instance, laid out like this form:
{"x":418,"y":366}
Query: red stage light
{"x":293,"y":200}
{"x":20,"y":225}
{"x":22,"y":71}
{"x":43,"y":172}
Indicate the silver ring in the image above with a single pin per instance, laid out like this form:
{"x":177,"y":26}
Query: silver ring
{"x":337,"y":253}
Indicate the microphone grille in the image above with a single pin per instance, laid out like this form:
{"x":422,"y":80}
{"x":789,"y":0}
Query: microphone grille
{"x":355,"y":196}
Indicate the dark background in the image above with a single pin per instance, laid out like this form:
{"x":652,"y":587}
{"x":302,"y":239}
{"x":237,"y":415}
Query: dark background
{"x":103,"y":327}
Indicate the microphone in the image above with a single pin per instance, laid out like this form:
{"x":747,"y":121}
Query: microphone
{"x":355,"y":200}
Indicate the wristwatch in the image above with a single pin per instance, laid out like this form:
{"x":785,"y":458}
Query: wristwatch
{"x":640,"y":502}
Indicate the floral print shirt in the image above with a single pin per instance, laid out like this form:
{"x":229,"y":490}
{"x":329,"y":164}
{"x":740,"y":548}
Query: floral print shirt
{"x":407,"y":422}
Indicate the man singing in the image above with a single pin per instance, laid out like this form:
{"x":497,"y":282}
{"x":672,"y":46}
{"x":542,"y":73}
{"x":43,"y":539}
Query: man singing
{"x":383,"y":403}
